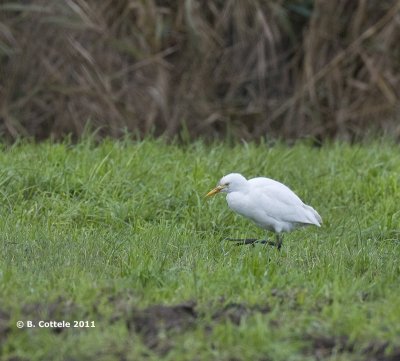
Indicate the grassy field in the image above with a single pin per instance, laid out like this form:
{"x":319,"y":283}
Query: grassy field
{"x":120,"y":235}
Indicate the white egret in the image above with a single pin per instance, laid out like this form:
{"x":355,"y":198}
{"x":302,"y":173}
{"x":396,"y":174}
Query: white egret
{"x":268,"y":203}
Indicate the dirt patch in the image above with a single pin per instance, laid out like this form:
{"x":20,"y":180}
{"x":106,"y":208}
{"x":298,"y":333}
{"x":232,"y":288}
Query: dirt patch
{"x":323,"y":347}
{"x":4,"y":325}
{"x":57,"y":310}
{"x":379,"y":351}
{"x":236,"y":312}
{"x":159,"y":319}
{"x":158,"y":324}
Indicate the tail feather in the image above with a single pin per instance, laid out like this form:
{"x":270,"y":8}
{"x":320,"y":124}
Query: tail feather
{"x":313,"y":216}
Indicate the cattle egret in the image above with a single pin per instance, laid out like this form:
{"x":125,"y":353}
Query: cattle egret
{"x":268,"y":203}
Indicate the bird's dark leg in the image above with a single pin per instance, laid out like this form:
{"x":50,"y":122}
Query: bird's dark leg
{"x":243,"y":240}
{"x":250,"y":241}
{"x":279,"y":241}
{"x":253,"y":241}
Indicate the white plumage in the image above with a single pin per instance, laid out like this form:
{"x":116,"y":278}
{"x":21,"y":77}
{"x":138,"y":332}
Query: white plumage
{"x":270,"y":204}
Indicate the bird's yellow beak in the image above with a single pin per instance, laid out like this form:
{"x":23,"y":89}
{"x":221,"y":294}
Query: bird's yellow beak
{"x":215,"y":191}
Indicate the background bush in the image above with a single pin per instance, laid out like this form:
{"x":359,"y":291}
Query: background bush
{"x":245,"y":68}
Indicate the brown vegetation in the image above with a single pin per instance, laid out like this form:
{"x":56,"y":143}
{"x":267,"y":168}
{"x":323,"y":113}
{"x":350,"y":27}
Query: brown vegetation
{"x":246,"y":68}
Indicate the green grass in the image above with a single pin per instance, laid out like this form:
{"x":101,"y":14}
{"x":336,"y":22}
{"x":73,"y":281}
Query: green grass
{"x":100,"y":232}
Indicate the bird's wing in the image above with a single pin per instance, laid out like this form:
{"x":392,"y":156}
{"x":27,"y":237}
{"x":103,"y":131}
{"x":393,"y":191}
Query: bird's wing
{"x":277,"y":190}
{"x":280,"y":202}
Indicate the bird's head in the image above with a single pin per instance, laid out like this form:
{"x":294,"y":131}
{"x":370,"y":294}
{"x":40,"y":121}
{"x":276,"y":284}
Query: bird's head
{"x":229,"y":183}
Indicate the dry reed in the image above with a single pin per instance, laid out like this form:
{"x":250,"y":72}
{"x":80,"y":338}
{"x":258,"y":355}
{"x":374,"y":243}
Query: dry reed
{"x":247,"y":68}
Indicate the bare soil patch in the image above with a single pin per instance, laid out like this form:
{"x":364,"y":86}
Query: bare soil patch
{"x":4,"y":325}
{"x":160,"y":319}
{"x":57,"y":310}
{"x":322,"y":347}
{"x":160,"y":325}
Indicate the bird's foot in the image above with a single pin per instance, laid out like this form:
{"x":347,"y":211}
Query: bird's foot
{"x":251,"y":241}
{"x":241,"y":241}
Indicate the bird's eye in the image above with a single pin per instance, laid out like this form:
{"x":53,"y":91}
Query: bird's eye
{"x":226,"y":184}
